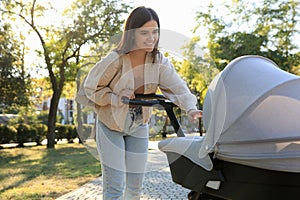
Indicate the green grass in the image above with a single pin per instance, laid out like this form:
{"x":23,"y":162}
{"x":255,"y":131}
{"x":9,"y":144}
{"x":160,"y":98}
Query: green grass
{"x":41,"y":173}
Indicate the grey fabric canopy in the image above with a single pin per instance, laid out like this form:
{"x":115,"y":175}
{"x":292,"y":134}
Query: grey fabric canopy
{"x":251,"y":114}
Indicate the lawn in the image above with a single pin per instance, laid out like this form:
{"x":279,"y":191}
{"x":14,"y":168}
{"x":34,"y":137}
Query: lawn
{"x":36,"y":172}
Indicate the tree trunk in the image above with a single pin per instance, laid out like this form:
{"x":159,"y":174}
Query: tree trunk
{"x":79,"y":114}
{"x":52,"y":120}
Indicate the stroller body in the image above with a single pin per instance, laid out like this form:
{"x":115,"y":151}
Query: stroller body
{"x":251,"y":149}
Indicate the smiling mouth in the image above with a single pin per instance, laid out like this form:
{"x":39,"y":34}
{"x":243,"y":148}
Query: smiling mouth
{"x":149,"y":44}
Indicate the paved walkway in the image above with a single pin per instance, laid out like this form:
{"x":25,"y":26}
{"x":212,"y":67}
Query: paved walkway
{"x":158,"y":184}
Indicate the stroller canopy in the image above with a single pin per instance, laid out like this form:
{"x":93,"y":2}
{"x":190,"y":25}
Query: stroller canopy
{"x":251,"y":114}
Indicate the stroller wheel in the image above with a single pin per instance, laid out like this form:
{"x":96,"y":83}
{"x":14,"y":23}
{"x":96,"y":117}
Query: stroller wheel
{"x":192,"y":195}
{"x":201,"y":196}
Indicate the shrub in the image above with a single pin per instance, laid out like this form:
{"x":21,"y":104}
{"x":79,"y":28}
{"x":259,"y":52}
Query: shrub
{"x":43,"y":117}
{"x":24,"y":134}
{"x":7,"y":134}
{"x":41,"y":132}
{"x":65,"y":131}
{"x":60,"y":131}
{"x":71,"y":133}
{"x":21,"y":133}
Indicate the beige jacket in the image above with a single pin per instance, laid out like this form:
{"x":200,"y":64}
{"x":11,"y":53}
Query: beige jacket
{"x":113,"y":73}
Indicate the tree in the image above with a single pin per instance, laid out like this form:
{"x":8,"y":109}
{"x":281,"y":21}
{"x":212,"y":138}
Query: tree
{"x":89,"y":21}
{"x":278,"y":22}
{"x":265,"y":28}
{"x":215,"y":28}
{"x":198,"y":70}
{"x":14,"y":81}
{"x":235,"y":45}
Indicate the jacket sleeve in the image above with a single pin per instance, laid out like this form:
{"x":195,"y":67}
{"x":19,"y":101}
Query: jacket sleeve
{"x":174,"y":87}
{"x":96,"y":85}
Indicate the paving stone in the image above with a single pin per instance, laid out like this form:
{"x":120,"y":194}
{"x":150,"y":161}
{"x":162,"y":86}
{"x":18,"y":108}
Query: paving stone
{"x":158,"y":184}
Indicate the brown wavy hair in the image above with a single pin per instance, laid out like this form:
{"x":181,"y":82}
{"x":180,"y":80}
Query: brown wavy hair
{"x":136,"y":19}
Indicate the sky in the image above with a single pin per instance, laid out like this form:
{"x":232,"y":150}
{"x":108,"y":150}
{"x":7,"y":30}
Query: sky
{"x":177,"y":16}
{"x":177,"y":19}
{"x":180,"y":16}
{"x":174,"y":15}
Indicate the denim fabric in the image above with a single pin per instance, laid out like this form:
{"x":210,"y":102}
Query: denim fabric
{"x":123,"y":157}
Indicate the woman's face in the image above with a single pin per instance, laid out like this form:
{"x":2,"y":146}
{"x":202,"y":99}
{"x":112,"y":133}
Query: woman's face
{"x":146,"y":36}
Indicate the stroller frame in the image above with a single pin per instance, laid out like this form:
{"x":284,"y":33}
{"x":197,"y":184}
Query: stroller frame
{"x":236,"y":181}
{"x":226,"y":180}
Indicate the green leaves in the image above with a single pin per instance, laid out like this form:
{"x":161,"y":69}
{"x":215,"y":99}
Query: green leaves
{"x":267,"y":28}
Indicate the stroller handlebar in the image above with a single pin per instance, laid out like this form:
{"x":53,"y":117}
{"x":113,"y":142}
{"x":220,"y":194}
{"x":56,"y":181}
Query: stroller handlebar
{"x":150,"y":100}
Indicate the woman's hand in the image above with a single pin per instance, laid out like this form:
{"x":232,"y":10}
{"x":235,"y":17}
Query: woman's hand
{"x":194,"y":115}
{"x":129,"y":93}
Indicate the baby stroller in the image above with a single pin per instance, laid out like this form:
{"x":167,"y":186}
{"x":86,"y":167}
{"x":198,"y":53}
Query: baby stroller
{"x":251,"y":149}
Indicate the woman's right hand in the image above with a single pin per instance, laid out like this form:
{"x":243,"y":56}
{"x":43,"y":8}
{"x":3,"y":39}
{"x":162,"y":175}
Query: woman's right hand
{"x":129,"y":93}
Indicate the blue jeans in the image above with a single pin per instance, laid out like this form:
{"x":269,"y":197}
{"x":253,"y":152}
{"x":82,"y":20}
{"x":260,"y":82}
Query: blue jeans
{"x":123,"y":158}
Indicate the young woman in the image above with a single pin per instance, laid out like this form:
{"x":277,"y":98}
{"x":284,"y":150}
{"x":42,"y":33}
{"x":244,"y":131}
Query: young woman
{"x":134,"y":67}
